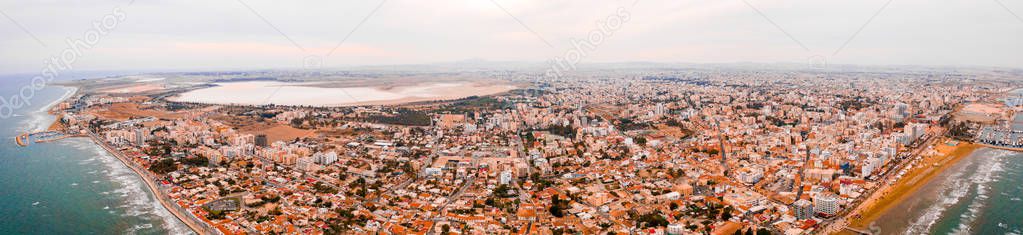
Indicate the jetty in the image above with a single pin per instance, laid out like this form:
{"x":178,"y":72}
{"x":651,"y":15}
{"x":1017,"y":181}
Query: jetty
{"x":858,"y":231}
{"x":24,"y":140}
{"x":194,"y":223}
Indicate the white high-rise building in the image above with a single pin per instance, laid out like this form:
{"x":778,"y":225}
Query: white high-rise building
{"x":803,"y":209}
{"x":676,"y":229}
{"x":869,"y":166}
{"x":305,"y":164}
{"x":140,"y":137}
{"x":915,"y":130}
{"x":825,"y":203}
{"x":505,"y":177}
{"x":325,"y":158}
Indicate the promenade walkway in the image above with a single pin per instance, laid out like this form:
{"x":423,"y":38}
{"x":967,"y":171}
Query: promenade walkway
{"x":183,"y":215}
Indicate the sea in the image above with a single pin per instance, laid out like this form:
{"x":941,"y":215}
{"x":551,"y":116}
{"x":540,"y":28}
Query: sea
{"x":70,"y":186}
{"x":981,"y":194}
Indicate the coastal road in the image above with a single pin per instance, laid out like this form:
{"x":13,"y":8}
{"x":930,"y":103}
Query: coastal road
{"x":886,"y":183}
{"x":151,"y":185}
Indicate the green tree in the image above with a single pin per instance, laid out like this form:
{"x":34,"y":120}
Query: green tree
{"x":557,"y":207}
{"x":163,"y":166}
{"x":640,"y":141}
{"x":726,"y":214}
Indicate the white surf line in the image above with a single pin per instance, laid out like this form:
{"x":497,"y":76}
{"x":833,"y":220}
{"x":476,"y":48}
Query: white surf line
{"x":134,"y":193}
{"x":955,"y":190}
{"x":982,"y":178}
{"x":68,"y":92}
{"x":38,"y":120}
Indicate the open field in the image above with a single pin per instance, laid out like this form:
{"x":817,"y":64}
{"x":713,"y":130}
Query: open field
{"x":280,"y":132}
{"x":125,"y":111}
{"x":980,"y":112}
{"x":673,"y":131}
{"x":131,"y":88}
{"x":273,"y":131}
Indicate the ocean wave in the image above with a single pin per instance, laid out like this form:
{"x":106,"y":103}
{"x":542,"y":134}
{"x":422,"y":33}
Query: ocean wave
{"x":68,"y":92}
{"x":138,"y":227}
{"x":40,"y":120}
{"x":983,"y":176}
{"x":138,"y":201}
{"x":955,"y":190}
{"x":36,"y":122}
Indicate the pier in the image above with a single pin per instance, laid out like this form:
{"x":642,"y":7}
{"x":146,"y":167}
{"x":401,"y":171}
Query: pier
{"x":24,"y":140}
{"x":194,"y":223}
{"x":1002,"y":147}
{"x":858,"y":231}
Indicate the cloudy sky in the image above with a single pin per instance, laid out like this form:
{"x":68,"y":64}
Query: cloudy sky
{"x":259,"y":34}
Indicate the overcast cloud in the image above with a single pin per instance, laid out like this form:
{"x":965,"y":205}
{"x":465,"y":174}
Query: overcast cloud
{"x":225,"y":34}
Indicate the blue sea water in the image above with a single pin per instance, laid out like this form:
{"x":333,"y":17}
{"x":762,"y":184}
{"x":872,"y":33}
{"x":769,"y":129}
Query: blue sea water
{"x":981,"y":194}
{"x":70,"y":186}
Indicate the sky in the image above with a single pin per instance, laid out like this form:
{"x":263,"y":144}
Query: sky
{"x":265,"y":34}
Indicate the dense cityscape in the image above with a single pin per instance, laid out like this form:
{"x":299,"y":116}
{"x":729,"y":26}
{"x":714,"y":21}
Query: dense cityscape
{"x":653,"y":151}
{"x":508,"y":117}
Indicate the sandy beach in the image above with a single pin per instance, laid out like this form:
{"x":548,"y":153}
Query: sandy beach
{"x":914,"y":178}
{"x":49,"y":109}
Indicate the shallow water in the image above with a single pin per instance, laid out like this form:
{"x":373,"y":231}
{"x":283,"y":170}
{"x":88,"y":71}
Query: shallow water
{"x":69,"y":186}
{"x":979,"y":195}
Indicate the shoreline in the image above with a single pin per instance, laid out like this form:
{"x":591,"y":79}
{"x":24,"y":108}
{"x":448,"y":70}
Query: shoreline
{"x":49,"y":109}
{"x":880,"y":202}
{"x":150,"y":185}
{"x":70,"y":92}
